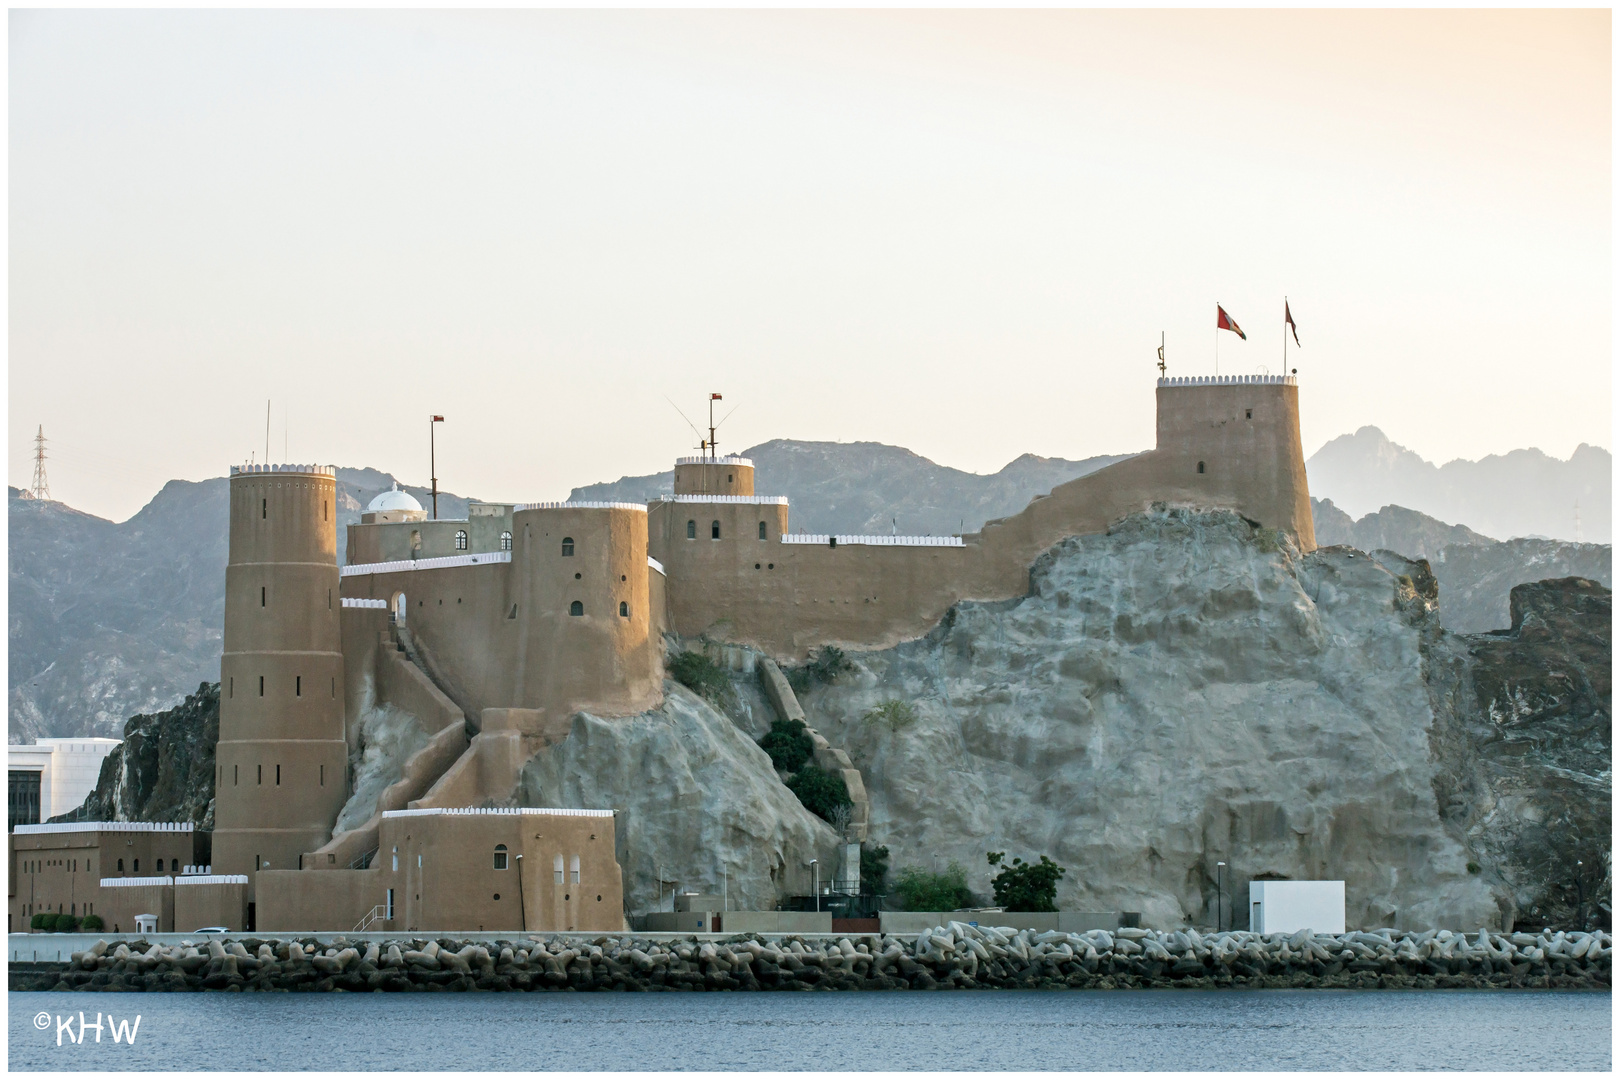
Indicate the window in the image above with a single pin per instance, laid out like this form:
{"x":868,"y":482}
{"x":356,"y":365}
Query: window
{"x":298,"y":686}
{"x":323,"y":776}
{"x":264,"y":508}
{"x":500,"y":856}
{"x":762,"y":530}
{"x":396,"y":862}
{"x":160,"y":865}
{"x":568,"y":545}
{"x":624,"y":609}
{"x":461,"y":539}
{"x":506,"y":541}
{"x":262,"y":596}
{"x":137,"y":866}
{"x":236,"y":778}
{"x":714,"y":530}
{"x":261,"y":686}
{"x":1200,"y":468}
{"x":576,"y":608}
{"x":390,"y":904}
{"x":691,"y":530}
{"x":1248,"y":414}
{"x":278,"y":776}
{"x":557,"y":869}
{"x":261,"y":773}
{"x":573,"y":870}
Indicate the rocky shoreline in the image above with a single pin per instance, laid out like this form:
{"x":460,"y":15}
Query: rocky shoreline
{"x":956,"y":956}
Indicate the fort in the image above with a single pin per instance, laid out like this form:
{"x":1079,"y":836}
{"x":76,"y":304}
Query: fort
{"x":497,"y":629}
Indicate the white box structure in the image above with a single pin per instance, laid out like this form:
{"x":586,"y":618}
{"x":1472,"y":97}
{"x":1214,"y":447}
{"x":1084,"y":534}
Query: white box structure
{"x":67,"y":771}
{"x":1286,"y":907}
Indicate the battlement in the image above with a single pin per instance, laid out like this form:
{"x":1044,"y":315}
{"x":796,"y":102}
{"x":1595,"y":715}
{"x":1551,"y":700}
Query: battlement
{"x":437,"y":563}
{"x":826,"y":540}
{"x":1229,"y":380}
{"x":307,"y":470}
{"x":104,"y":826}
{"x":358,"y":602}
{"x":492,"y":811}
{"x":582,"y":505}
{"x":744,"y":462}
{"x":748,"y":500}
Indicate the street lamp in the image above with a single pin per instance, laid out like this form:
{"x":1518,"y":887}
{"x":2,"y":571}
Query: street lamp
{"x":815,"y":881}
{"x":1580,"y":898}
{"x":523,"y":916}
{"x":1219,"y":868}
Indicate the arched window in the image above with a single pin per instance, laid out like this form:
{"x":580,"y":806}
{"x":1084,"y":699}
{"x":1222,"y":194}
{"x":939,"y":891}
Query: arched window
{"x":500,"y":856}
{"x":576,"y":608}
{"x":691,"y":530}
{"x":120,"y":866}
{"x":762,"y":530}
{"x":1200,"y":467}
{"x":396,"y":859}
{"x":461,"y":539}
{"x":506,"y":541}
{"x":624,"y":609}
{"x":568,"y":545}
{"x":573,"y":869}
{"x":556,"y":866}
{"x":714,"y":530}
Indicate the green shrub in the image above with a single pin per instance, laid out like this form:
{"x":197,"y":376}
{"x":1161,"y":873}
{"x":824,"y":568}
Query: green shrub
{"x":702,"y":676}
{"x":789,"y":744}
{"x":829,"y":663}
{"x":874,"y":870}
{"x":820,"y":791}
{"x":922,"y":890}
{"x":38,"y":921}
{"x":1473,"y":867}
{"x":92,"y":922}
{"x":893,"y":715}
{"x":1022,"y":886}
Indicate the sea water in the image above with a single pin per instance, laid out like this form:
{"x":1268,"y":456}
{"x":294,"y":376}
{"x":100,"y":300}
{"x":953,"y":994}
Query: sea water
{"x":1004,"y":1030}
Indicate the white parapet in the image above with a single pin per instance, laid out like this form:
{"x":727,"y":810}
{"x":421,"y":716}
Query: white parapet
{"x":359,"y":602}
{"x":307,"y":470}
{"x":1229,"y":380}
{"x":437,"y":563}
{"x":442,"y":811}
{"x":826,"y":540}
{"x":750,"y":500}
{"x":104,"y":826}
{"x":582,"y":505}
{"x":746,"y":463}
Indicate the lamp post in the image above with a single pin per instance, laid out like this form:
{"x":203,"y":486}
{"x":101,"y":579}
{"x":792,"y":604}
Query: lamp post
{"x":523,"y":916}
{"x":1220,"y":867}
{"x":433,"y":465}
{"x":815,"y":881}
{"x":1580,"y":898}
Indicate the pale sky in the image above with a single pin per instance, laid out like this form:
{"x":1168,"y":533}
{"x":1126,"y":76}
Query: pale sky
{"x":959,"y":232}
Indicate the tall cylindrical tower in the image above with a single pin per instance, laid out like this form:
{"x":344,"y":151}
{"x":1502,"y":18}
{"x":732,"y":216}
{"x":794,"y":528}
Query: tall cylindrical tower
{"x":282,"y":758}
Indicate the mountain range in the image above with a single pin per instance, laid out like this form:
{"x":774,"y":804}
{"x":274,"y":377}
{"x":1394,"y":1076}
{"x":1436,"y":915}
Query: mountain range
{"x":108,"y":619}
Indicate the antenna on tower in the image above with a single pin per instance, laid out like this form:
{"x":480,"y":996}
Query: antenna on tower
{"x":1161,"y":354}
{"x":40,"y":488}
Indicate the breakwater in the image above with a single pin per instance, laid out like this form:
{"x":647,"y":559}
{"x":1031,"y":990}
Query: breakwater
{"x":954,"y":956}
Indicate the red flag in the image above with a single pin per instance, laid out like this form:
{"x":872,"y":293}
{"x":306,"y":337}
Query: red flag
{"x":438,"y":419}
{"x":1288,"y":318}
{"x":1223,"y":321}
{"x":714,"y":397}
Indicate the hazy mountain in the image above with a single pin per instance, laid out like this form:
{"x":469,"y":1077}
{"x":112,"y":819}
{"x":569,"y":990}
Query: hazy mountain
{"x":872,"y":488}
{"x":1522,"y":493}
{"x":1476,"y":573}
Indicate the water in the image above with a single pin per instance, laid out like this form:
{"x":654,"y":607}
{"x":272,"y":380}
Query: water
{"x":1011,"y":1030}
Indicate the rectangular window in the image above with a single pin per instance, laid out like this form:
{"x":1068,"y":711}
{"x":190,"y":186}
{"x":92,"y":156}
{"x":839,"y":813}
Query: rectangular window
{"x":573,"y":870}
{"x":323,"y":776}
{"x":264,"y":508}
{"x":261,"y":686}
{"x":262,"y":596}
{"x":390,"y":903}
{"x":557,"y":868}
{"x":236,"y":775}
{"x":232,"y":691}
{"x":261,"y":774}
{"x":278,"y":776}
{"x":298,"y":686}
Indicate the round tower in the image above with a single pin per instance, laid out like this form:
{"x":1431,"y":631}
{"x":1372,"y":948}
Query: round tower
{"x":714,"y":476}
{"x":281,"y":774}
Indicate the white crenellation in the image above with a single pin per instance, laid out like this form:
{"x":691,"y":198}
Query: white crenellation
{"x":308,"y":470}
{"x":746,"y":463}
{"x":825,"y":539}
{"x":127,"y":882}
{"x":485,"y":810}
{"x":752,"y":500}
{"x":103,"y":826}
{"x":357,"y":602}
{"x":1230,"y":380}
{"x":580,"y":506}
{"x":437,"y":563}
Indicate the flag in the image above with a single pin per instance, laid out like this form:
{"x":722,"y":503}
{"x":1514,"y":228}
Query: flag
{"x":438,"y":419}
{"x":714,"y":397}
{"x":1223,"y":321}
{"x":1288,"y":319}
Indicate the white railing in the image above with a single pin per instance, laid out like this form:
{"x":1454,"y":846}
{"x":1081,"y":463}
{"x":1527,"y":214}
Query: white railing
{"x":581,"y":505}
{"x":504,"y":810}
{"x":1230,"y":380}
{"x":746,"y":463}
{"x":357,"y":602}
{"x":212,"y":879}
{"x":131,"y":882}
{"x":105,"y":826}
{"x":754,"y":500}
{"x":375,"y":915}
{"x":196,"y":870}
{"x":825,"y":540}
{"x":309,"y":470}
{"x":439,"y":562}
{"x":656,"y":565}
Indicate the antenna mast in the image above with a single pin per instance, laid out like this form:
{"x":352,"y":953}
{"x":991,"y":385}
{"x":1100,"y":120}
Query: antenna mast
{"x":1161,"y":354}
{"x":712,"y":399}
{"x":40,"y":488}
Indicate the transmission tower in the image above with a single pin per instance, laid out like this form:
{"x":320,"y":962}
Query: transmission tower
{"x":40,"y":488}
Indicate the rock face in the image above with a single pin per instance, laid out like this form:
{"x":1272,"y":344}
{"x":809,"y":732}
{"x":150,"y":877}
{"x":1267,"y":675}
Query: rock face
{"x":1524,"y":738}
{"x":1476,"y":580}
{"x":164,"y":771}
{"x":698,"y":803}
{"x":1178,"y":692}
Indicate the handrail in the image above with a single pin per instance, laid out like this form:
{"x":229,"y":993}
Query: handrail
{"x":364,"y":861}
{"x":375,"y":915}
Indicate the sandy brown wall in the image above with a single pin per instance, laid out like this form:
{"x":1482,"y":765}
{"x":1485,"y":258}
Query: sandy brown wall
{"x":215,"y":903}
{"x":299,"y":900}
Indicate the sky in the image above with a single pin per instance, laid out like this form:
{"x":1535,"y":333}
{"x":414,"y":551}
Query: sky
{"x":962,"y":232}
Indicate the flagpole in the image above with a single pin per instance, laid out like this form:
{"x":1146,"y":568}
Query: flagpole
{"x":1285,"y":335}
{"x":1217,"y":339}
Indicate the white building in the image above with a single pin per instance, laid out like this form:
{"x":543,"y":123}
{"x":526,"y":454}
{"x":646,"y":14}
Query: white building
{"x":1287,"y":907}
{"x":52,"y":777}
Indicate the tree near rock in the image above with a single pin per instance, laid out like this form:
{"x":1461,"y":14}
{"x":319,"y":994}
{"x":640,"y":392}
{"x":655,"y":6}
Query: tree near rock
{"x":1022,"y":886}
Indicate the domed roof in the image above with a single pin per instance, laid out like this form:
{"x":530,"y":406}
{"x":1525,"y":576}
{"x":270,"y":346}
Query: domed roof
{"x":393,"y":499}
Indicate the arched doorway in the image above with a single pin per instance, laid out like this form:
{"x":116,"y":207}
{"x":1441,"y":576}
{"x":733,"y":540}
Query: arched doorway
{"x":398,"y":607}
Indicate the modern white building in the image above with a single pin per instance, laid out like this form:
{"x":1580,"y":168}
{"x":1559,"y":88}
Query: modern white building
{"x":1287,"y":907}
{"x":52,"y":777}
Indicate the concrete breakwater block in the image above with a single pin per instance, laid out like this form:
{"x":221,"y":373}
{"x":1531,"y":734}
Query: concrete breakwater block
{"x":949,"y":956}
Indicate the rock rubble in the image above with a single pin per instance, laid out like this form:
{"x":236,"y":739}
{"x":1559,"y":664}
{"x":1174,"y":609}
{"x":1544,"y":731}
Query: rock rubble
{"x":954,"y":956}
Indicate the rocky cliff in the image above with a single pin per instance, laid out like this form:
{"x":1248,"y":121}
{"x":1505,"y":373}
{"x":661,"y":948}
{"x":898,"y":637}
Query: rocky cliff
{"x":1183,"y":691}
{"x":164,"y":770}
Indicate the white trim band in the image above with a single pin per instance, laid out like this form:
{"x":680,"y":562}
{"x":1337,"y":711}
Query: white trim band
{"x":359,"y":602}
{"x":308,"y":470}
{"x":438,"y":563}
{"x":1230,"y":380}
{"x":825,"y":540}
{"x":126,"y":882}
{"x":746,"y":463}
{"x":755,"y":500}
{"x":103,"y":826}
{"x":508,"y":811}
{"x":212,"y":879}
{"x":583,"y":505}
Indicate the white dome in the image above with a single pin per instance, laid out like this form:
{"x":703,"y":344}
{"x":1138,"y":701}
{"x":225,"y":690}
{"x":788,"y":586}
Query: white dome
{"x":393,"y":499}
